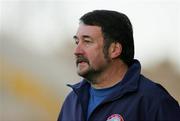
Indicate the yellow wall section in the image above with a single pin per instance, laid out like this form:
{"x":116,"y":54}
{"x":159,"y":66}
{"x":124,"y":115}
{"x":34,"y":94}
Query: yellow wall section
{"x":24,"y":86}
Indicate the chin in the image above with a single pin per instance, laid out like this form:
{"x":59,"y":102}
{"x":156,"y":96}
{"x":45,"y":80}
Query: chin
{"x":87,"y":76}
{"x":81,"y":73}
{"x":86,"y":73}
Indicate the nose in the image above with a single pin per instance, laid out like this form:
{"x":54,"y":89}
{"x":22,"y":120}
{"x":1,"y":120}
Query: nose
{"x":78,"y":49}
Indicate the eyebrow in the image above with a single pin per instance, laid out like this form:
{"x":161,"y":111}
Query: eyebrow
{"x":84,"y":36}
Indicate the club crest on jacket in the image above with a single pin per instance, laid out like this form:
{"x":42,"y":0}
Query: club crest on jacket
{"x":115,"y":117}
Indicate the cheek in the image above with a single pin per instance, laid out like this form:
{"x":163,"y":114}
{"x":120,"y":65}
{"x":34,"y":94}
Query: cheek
{"x":95,"y":55}
{"x":96,"y":59}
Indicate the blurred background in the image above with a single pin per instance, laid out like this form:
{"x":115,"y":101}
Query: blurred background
{"x":36,"y":50}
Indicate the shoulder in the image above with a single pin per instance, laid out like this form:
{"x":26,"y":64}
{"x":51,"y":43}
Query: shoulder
{"x":70,"y":96}
{"x":151,"y":89}
{"x":156,"y":100}
{"x":154,"y":94}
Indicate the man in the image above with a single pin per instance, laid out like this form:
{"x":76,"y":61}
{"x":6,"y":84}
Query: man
{"x":112,"y":88}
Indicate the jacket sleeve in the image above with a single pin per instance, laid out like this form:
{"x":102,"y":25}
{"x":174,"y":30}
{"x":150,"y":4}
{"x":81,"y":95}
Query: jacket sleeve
{"x":71,"y":110}
{"x":168,"y":110}
{"x":60,"y":117}
{"x":64,"y":109}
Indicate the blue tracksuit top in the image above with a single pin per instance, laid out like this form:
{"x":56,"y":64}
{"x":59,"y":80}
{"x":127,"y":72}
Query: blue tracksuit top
{"x":137,"y":99}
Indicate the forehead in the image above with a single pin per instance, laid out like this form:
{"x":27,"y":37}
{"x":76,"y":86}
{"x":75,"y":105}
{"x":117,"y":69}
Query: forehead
{"x":93,"y":31}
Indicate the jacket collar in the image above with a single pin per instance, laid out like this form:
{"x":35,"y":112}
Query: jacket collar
{"x":130,"y":81}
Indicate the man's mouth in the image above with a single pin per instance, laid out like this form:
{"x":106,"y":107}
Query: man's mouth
{"x":81,"y":60}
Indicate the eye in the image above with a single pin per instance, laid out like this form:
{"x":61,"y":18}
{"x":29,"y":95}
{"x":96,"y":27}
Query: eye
{"x":87,"y":40}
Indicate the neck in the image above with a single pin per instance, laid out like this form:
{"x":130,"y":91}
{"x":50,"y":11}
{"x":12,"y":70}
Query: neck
{"x":111,"y":76}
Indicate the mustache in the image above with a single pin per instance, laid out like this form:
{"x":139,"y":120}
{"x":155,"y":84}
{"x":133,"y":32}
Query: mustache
{"x":81,"y":58}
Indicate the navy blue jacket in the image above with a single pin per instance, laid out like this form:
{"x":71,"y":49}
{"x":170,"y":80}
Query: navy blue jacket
{"x":138,"y":99}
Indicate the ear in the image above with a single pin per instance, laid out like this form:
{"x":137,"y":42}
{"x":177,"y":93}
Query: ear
{"x":115,"y":50}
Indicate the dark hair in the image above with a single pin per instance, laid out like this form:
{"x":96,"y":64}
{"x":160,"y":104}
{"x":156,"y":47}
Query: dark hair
{"x":116,"y":27}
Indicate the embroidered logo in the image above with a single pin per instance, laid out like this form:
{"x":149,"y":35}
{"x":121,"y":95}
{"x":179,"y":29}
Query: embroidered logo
{"x":115,"y":117}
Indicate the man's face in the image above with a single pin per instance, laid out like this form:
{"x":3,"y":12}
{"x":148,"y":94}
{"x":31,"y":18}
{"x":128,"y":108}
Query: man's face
{"x":89,"y":54}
